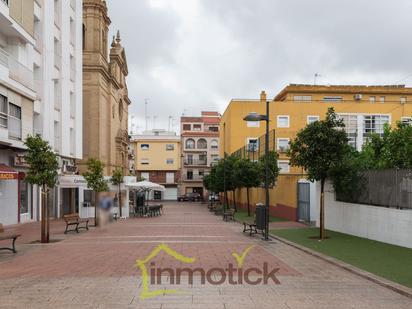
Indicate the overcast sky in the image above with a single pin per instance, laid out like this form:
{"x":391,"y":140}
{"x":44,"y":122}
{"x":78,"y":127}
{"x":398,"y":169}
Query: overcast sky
{"x":185,"y":56}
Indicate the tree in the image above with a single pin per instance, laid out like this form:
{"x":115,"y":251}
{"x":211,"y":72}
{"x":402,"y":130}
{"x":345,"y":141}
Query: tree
{"x":273,"y":168}
{"x":43,"y":166}
{"x":248,"y":175}
{"x":319,"y":148}
{"x":95,"y":181}
{"x":117,"y":180}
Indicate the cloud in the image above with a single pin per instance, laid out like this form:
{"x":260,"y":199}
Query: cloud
{"x":193,"y":55}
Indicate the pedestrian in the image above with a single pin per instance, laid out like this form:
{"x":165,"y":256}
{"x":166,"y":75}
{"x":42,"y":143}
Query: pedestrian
{"x":105,"y":205}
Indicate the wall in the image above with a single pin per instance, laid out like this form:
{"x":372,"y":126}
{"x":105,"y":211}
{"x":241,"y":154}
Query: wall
{"x":157,"y":155}
{"x":283,"y":197}
{"x":22,"y":11}
{"x":387,"y":225}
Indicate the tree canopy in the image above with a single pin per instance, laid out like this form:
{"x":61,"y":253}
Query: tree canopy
{"x":94,"y":176}
{"x":43,"y":162}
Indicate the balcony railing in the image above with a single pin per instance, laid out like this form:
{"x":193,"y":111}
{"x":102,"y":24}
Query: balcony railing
{"x":6,"y":2}
{"x":4,"y":58}
{"x":192,"y":178}
{"x":20,"y":72}
{"x":14,"y":128}
{"x":195,"y":162}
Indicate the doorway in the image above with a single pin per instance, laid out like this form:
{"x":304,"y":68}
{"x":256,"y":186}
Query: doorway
{"x":69,"y":201}
{"x":304,"y":202}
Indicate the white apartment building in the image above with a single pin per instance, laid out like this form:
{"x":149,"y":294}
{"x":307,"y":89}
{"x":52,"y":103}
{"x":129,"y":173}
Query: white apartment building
{"x":58,"y":75}
{"x":40,"y":93}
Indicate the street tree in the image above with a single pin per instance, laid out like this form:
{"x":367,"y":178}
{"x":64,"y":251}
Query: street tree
{"x":117,"y":180}
{"x":273,"y":168}
{"x":319,"y":148}
{"x":43,"y":165}
{"x":248,"y":175}
{"x":95,"y":181}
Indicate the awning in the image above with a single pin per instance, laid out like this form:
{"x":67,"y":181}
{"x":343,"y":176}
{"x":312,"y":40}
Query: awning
{"x":7,"y":173}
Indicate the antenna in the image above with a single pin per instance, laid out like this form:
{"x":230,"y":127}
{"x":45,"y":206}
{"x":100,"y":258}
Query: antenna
{"x":154,"y":122}
{"x":145,"y":113}
{"x":316,"y":78}
{"x":170,"y":122}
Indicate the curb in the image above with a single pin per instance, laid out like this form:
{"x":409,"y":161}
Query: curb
{"x":395,"y":287}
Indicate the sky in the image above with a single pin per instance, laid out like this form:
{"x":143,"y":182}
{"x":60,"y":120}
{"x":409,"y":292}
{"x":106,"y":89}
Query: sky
{"x":185,"y":56}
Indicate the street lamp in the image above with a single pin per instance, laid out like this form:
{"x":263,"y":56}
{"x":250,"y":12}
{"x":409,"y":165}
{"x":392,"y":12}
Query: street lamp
{"x":256,"y":117}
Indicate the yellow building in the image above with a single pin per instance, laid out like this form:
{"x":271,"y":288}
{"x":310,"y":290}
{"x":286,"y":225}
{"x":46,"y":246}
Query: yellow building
{"x":105,"y":95}
{"x":157,"y":159}
{"x":364,"y":109}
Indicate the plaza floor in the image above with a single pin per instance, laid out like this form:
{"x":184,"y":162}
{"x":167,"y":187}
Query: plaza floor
{"x":98,"y":268}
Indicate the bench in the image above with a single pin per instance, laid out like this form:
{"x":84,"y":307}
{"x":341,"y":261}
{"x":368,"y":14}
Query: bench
{"x":76,"y":221}
{"x":9,"y":236}
{"x":251,"y":227}
{"x":229,"y":215}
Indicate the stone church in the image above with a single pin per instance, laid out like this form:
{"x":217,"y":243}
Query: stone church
{"x":105,"y":95}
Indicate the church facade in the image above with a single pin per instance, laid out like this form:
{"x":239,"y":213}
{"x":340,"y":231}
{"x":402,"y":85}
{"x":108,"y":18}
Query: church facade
{"x":105,"y":94}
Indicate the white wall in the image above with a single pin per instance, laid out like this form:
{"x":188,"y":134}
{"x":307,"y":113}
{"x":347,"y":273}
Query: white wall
{"x":387,"y":225}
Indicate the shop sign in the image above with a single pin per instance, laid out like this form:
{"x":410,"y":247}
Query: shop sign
{"x":7,"y":176}
{"x":20,"y":160}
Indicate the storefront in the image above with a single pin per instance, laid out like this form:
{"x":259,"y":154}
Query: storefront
{"x":15,"y":197}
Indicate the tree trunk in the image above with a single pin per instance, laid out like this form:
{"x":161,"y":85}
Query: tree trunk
{"x":96,"y":209}
{"x":234,"y":199}
{"x":43,"y":215}
{"x":120,"y":202}
{"x":47,"y":217}
{"x":322,"y":209}
{"x":226,"y":201}
{"x":248,"y":202}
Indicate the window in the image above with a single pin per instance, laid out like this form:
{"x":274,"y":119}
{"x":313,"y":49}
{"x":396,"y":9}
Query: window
{"x":170,"y":177}
{"x":372,"y":99}
{"x":304,"y":98}
{"x":190,"y":144}
{"x":403,"y":100}
{"x":187,"y":127}
{"x":145,"y":176}
{"x":374,"y":124}
{"x":214,"y":129}
{"x":201,"y":144}
{"x":14,"y":121}
{"x":169,"y":161}
{"x":3,"y":111}
{"x":215,"y":158}
{"x":351,"y":128}
{"x":144,"y":147}
{"x":382,"y":99}
{"x":214,"y":144}
{"x":283,"y":121}
{"x":189,"y":175}
{"x":406,"y":120}
{"x":170,"y":147}
{"x":332,"y":99}
{"x":189,"y":159}
{"x":144,"y":161}
{"x":312,"y":119}
{"x":197,"y":127}
{"x":252,"y":144}
{"x":284,"y":167}
{"x":253,"y":124}
{"x":283,"y":144}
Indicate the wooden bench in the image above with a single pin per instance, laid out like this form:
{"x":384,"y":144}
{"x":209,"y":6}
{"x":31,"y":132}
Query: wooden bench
{"x":9,"y":236}
{"x":75,"y":220}
{"x":229,"y":215}
{"x":250,"y":227}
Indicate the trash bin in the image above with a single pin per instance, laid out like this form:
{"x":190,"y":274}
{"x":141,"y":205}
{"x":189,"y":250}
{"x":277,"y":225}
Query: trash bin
{"x":260,"y":216}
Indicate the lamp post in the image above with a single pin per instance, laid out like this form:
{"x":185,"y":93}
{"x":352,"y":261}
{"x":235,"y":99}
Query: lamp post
{"x":256,"y":117}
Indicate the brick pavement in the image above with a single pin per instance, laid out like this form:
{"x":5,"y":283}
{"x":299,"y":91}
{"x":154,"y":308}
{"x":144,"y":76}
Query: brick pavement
{"x":96,"y":269}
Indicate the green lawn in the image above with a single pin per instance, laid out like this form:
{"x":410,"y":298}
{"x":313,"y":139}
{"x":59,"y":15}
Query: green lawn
{"x":388,"y":261}
{"x":241,"y":215}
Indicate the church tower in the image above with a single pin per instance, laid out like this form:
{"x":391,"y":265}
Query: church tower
{"x":105,"y":96}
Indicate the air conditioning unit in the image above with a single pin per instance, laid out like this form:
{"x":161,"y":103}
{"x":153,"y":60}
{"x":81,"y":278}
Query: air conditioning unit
{"x":358,"y":97}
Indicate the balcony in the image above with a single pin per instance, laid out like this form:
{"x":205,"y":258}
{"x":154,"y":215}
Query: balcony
{"x":194,"y":178}
{"x":193,"y":162}
{"x":20,"y":73}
